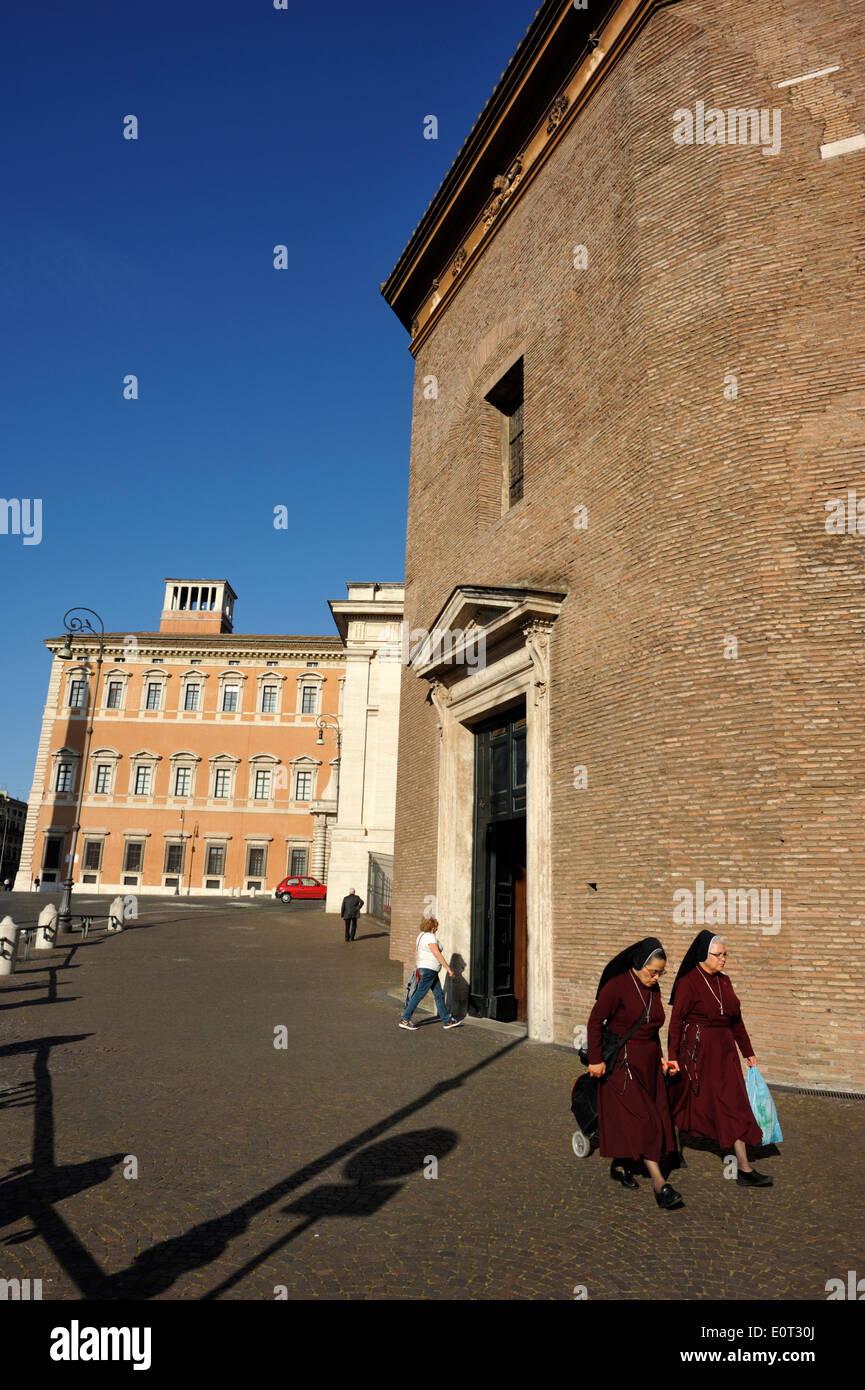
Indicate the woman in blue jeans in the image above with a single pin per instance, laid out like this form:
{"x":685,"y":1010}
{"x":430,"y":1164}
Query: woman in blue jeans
{"x":429,"y":962}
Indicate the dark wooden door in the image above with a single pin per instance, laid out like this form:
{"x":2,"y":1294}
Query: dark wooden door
{"x":499,"y":946}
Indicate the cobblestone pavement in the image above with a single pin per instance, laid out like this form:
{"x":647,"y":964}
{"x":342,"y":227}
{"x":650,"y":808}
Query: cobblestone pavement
{"x":303,"y":1166}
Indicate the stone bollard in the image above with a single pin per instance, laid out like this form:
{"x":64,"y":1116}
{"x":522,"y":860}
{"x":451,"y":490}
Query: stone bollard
{"x":8,"y":942}
{"x":115,"y":911}
{"x":47,"y":927}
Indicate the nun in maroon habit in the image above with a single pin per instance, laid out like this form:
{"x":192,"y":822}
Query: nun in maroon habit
{"x":634,"y":1119}
{"x":705,"y":1027}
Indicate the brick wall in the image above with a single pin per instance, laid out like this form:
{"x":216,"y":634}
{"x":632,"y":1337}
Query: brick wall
{"x":706,"y":518}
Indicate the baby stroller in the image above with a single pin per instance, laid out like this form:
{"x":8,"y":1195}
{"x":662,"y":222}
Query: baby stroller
{"x":584,"y":1108}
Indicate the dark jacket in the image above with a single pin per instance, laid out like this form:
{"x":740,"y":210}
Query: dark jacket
{"x":351,"y":905}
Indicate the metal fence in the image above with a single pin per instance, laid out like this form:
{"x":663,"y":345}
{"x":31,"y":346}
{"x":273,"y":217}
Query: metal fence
{"x":378,"y":887}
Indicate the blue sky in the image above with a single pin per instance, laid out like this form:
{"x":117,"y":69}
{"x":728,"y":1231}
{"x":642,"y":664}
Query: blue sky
{"x":257,"y":387}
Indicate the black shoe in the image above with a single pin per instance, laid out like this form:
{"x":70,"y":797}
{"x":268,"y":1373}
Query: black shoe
{"x":619,"y":1174}
{"x":754,"y":1179}
{"x":669,"y":1198}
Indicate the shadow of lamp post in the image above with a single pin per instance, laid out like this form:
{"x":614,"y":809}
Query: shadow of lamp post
{"x":76,"y":625}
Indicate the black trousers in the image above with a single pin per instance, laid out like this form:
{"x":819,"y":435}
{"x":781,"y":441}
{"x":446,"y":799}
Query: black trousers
{"x":350,"y":924}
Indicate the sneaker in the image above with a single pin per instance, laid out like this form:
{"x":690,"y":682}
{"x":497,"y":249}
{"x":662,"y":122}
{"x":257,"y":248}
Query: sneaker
{"x":452,"y":1023}
{"x":408,"y":1024}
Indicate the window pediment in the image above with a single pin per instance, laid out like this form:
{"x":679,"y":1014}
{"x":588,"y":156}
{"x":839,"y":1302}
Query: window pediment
{"x":479,"y":618}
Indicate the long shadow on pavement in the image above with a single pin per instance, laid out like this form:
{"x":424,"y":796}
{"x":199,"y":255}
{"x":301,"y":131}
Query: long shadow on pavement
{"x":155,"y":1270}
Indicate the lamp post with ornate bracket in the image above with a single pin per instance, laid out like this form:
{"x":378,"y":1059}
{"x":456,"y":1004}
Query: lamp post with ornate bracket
{"x":75,"y":625}
{"x":323,"y":723}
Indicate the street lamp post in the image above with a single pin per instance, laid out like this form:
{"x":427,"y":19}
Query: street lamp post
{"x":75,"y":625}
{"x":321,"y":724}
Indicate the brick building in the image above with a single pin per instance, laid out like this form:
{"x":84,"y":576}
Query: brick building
{"x":638,"y":418}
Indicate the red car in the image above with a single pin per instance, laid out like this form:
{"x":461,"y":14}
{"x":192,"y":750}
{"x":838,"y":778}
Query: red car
{"x":300,"y":888}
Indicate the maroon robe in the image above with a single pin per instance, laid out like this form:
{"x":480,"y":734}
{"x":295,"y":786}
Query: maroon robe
{"x":710,"y":1097}
{"x":634,"y":1116}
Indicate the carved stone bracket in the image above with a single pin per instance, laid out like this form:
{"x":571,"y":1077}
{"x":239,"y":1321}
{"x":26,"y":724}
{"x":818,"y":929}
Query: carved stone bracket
{"x":557,"y":111}
{"x":537,"y":636}
{"x":459,"y":260}
{"x":505,"y":186}
{"x":440,"y":696}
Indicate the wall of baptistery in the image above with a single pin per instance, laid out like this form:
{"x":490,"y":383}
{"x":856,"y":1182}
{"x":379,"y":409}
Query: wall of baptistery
{"x":735,"y":764}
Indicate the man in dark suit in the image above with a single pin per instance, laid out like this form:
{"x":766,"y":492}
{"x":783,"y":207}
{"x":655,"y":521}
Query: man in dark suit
{"x":351,"y":906}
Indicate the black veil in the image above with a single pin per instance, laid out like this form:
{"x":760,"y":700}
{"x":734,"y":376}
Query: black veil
{"x":632,"y":958}
{"x":697,"y":951}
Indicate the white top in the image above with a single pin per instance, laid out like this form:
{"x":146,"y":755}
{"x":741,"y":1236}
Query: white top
{"x":425,"y":958}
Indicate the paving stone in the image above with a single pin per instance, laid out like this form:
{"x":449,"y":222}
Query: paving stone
{"x":304,"y":1166}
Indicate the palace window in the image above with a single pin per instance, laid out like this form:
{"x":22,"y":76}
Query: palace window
{"x":174,"y":858}
{"x":76,"y":694}
{"x":102,"y":784}
{"x":182,"y":781}
{"x":92,"y":854}
{"x":64,"y":778}
{"x":268,"y":699}
{"x":297,"y":866}
{"x":191,"y":696}
{"x":222,"y":783}
{"x":302,"y":786}
{"x":134,"y":857}
{"x":230,"y":695}
{"x":143,"y":777}
{"x":262,"y":784}
{"x":309,"y":700}
{"x":115,"y":695}
{"x":215,"y":860}
{"x":256,"y":860}
{"x":154,"y":692}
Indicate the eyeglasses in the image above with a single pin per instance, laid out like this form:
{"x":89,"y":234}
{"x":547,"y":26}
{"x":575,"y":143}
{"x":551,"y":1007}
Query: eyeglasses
{"x":722,"y":955}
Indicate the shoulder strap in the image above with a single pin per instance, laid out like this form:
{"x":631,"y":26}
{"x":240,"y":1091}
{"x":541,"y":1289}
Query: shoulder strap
{"x":639,"y":1023}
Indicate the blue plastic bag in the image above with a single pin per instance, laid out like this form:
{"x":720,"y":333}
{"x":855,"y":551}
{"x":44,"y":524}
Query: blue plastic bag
{"x":763,"y":1106}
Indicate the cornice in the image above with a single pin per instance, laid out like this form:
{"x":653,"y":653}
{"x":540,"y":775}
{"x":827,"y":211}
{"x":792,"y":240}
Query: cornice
{"x":524,"y":143}
{"x":214,"y":648}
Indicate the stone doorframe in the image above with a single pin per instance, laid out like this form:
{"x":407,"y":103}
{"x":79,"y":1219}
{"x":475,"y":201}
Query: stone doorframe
{"x":489,"y":648}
